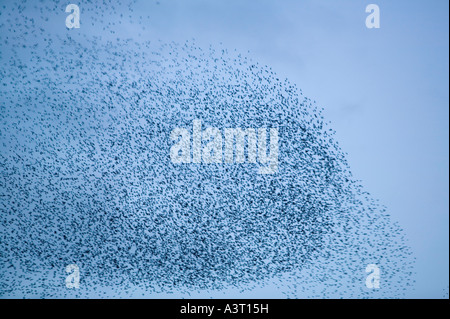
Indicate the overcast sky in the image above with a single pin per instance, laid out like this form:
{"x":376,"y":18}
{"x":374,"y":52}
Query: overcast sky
{"x":384,"y":90}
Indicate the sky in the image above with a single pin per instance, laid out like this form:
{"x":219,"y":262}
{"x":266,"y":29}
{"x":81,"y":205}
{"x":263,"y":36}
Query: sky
{"x":385,"y":92}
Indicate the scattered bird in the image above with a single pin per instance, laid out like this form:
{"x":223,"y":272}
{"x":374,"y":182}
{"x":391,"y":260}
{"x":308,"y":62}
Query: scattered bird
{"x":86,"y":176}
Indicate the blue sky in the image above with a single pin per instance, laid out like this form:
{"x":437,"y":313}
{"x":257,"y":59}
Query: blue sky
{"x":385,"y":92}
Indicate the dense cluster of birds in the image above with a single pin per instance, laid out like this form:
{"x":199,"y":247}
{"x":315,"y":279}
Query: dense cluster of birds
{"x":86,"y":175}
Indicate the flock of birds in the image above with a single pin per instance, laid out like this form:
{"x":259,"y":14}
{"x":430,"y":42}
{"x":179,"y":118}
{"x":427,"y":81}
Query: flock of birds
{"x":86,"y":175}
